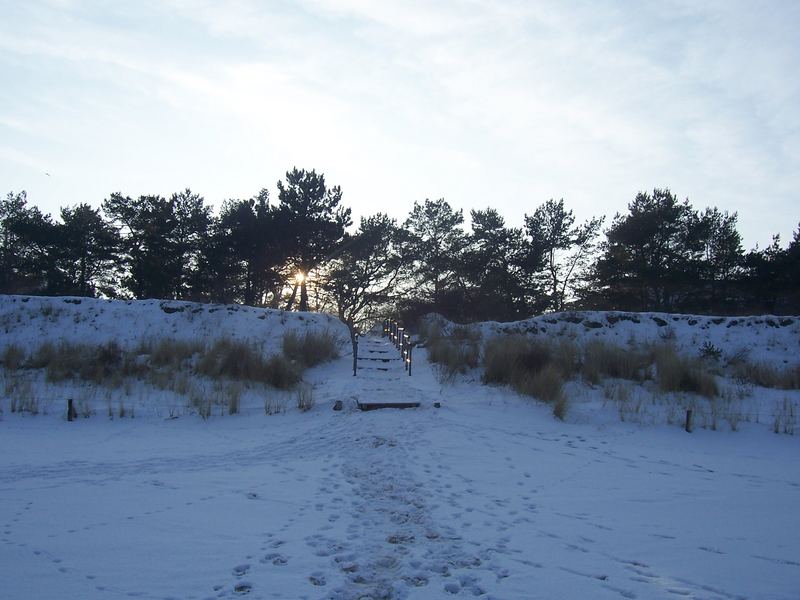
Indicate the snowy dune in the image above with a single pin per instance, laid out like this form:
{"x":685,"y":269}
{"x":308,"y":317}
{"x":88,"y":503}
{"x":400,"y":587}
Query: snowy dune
{"x":488,"y":496}
{"x":769,"y":338}
{"x":30,"y":320}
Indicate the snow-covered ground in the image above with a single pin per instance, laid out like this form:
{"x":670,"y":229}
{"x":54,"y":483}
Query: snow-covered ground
{"x":487,"y":496}
{"x":32,"y":320}
{"x":767,"y":338}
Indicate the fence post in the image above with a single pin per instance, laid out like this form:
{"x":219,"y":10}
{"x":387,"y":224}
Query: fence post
{"x":688,"y":426}
{"x":355,"y":356}
{"x":72,"y":414}
{"x":409,"y":359}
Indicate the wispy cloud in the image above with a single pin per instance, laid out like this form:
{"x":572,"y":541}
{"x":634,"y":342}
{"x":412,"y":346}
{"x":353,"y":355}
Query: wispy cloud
{"x":501,"y":103}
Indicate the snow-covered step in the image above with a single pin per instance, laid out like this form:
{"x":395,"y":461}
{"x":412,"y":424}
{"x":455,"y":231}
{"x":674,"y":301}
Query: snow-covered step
{"x":380,"y":363}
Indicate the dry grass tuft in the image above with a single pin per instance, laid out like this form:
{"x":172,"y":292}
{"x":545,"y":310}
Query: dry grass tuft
{"x":233,"y":397}
{"x":507,"y":359}
{"x":172,"y":353}
{"x":310,"y":348}
{"x":560,"y":408}
{"x":601,"y":360}
{"x":545,"y":384}
{"x":785,"y":415}
{"x":679,"y":374}
{"x":237,"y":360}
{"x":769,"y":376}
{"x":531,"y":367}
{"x":305,"y":397}
{"x":275,"y":404}
{"x":13,"y":357}
{"x":453,"y":354}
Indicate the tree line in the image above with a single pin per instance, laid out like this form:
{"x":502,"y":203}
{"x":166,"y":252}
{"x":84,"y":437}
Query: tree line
{"x":302,"y":253}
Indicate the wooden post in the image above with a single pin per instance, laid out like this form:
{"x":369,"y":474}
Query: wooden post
{"x":72,"y":414}
{"x":688,"y":426}
{"x":409,"y":359}
{"x":355,"y":356}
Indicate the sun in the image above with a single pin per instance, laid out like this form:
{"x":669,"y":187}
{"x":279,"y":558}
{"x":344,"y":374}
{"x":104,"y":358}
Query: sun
{"x":300,"y":277}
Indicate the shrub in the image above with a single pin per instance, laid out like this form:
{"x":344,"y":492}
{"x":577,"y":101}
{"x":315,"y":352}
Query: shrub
{"x":65,"y":361}
{"x":173,"y":353}
{"x":465,"y":333}
{"x":506,"y":359}
{"x":765,"y":375}
{"x":311,"y":348}
{"x":452,"y":355}
{"x":238,"y":360}
{"x":677,"y":374}
{"x":68,"y":361}
{"x":532,"y":367}
{"x":13,"y":357}
{"x":545,"y":384}
{"x":709,"y":350}
{"x":601,"y":359}
{"x":566,"y":355}
{"x":101,"y":362}
{"x":560,"y":408}
{"x":281,"y":373}
{"x":42,"y":357}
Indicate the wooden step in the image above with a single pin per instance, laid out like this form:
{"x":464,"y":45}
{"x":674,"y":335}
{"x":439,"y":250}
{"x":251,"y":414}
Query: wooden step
{"x":378,"y":405}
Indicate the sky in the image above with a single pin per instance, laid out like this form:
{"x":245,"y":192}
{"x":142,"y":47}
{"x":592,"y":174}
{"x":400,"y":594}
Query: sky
{"x":500,"y":103}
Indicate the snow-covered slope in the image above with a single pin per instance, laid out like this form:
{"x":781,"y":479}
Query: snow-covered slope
{"x":767,"y":338}
{"x":30,"y":320}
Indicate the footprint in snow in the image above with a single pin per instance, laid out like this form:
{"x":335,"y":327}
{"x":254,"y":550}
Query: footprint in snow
{"x":275,"y":558}
{"x":243,"y":587}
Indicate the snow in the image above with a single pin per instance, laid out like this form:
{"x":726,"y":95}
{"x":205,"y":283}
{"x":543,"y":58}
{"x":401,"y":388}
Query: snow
{"x":488,"y":496}
{"x":29,"y":320}
{"x":762,"y":338}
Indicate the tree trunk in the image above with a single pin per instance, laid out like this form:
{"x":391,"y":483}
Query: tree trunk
{"x":303,"y":296}
{"x":290,"y":303}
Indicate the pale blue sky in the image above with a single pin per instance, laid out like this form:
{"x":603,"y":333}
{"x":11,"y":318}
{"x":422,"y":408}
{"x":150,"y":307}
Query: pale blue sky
{"x":482,"y":102}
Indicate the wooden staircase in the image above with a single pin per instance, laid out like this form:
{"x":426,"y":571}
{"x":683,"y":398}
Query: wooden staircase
{"x":380,"y":361}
